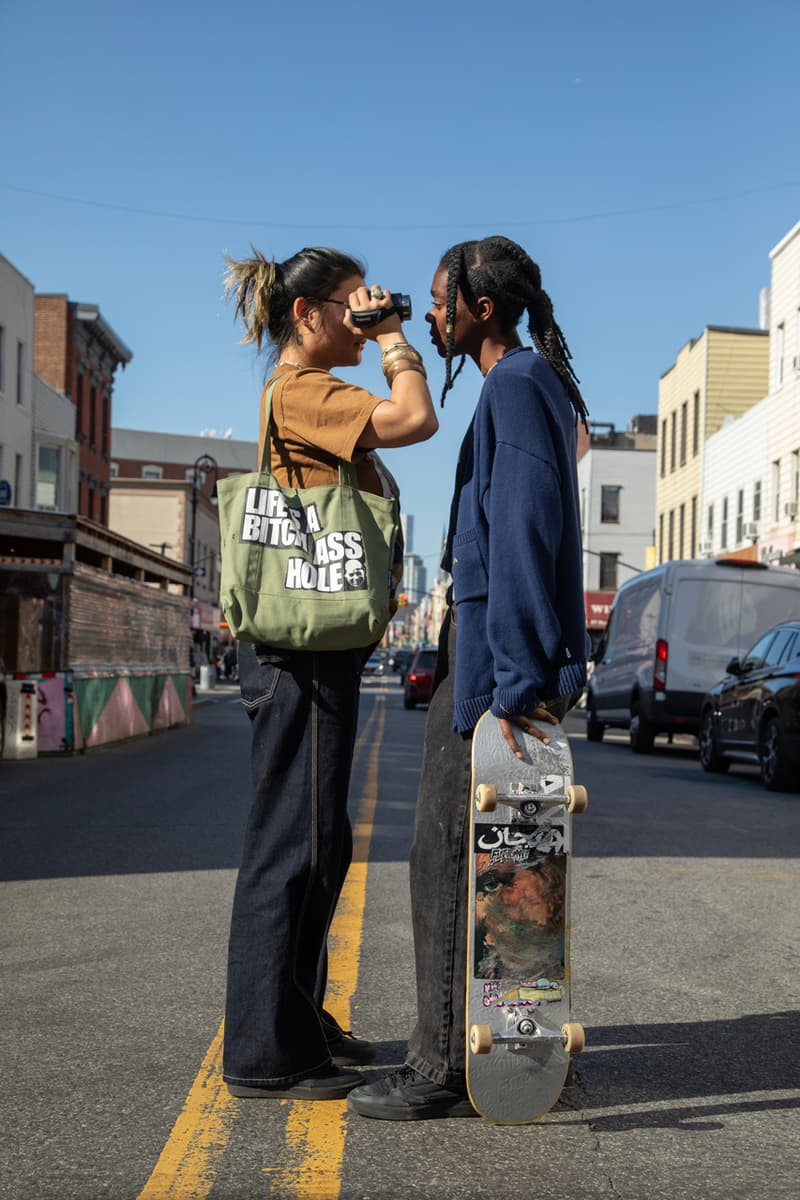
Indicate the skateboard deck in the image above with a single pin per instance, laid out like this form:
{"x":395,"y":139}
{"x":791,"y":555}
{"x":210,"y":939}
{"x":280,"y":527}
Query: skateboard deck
{"x":519,"y":1035}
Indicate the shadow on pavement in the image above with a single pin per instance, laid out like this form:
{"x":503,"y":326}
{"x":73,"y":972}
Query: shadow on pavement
{"x":641,"y":1064}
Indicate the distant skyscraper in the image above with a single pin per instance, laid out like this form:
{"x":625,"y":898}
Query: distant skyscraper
{"x":414,"y":578}
{"x":407,"y":521}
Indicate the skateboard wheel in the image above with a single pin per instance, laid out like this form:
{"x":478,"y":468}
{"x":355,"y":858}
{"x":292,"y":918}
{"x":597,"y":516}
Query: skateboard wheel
{"x":480,"y":1039}
{"x":574,"y":1037}
{"x":577,"y":798}
{"x":486,"y":797}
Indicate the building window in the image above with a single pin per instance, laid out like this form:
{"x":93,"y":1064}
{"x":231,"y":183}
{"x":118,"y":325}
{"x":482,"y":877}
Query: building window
{"x":757,"y":501}
{"x":684,"y":431}
{"x":113,"y":470}
{"x":780,"y":338}
{"x":18,"y":497}
{"x":79,"y":404}
{"x":723,"y":533}
{"x":105,"y":401}
{"x":48,"y":462}
{"x":693,"y":530}
{"x":93,"y":416}
{"x":660,"y":537}
{"x":671,"y":535}
{"x":151,"y":471}
{"x":608,"y":572}
{"x":739,"y":515}
{"x":710,"y":525}
{"x":776,"y":490}
{"x":795,"y":485}
{"x":20,"y":372}
{"x":663,"y":448}
{"x":2,"y":359}
{"x":696,"y":426}
{"x":609,"y":505}
{"x":672,"y":440}
{"x":681,"y":528}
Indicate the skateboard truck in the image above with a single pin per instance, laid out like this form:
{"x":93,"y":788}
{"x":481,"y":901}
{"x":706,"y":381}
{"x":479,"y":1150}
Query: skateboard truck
{"x":575,"y":799}
{"x":571,"y":1035}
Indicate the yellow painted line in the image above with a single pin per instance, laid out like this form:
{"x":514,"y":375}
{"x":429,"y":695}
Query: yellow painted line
{"x":315,"y":1132}
{"x":186,"y":1168}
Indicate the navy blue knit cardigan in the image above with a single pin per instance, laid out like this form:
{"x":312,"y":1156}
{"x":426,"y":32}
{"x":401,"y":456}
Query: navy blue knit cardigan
{"x":515,"y":546}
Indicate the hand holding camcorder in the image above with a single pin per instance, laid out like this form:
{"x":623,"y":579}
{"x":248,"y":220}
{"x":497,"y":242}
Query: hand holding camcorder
{"x":367,"y":318}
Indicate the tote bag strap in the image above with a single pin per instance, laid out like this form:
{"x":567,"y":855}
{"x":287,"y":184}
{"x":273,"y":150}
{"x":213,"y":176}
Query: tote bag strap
{"x":347,"y":472}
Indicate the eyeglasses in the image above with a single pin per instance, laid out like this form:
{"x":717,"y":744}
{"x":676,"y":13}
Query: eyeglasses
{"x":328,"y":300}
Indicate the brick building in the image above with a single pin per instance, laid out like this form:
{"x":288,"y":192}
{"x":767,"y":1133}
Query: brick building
{"x":141,"y":454}
{"x":77,"y":353}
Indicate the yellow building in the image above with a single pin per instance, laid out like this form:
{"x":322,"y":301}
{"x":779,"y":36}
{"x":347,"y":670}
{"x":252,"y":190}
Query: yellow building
{"x":721,"y":373}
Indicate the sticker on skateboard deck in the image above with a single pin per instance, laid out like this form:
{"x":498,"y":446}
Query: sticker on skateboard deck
{"x":518,"y":979}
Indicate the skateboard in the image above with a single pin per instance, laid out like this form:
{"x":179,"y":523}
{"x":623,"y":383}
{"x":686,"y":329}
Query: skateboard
{"x":520,"y":1037}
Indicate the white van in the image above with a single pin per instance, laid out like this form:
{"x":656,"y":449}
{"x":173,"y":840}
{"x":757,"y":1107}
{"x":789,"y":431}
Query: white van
{"x":670,"y":635}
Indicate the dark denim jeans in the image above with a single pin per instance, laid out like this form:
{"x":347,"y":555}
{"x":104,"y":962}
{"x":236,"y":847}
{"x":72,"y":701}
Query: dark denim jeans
{"x":297,"y":848}
{"x":440,"y":878}
{"x":439,"y":882}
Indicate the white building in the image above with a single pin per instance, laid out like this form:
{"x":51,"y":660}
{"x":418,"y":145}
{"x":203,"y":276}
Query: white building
{"x":734,"y":465}
{"x":55,"y":450}
{"x":616,"y":487}
{"x":16,"y":389}
{"x":751,"y":466}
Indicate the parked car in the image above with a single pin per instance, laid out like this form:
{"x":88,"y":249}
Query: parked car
{"x":419,"y":680}
{"x":753,"y":714}
{"x":669,"y":635}
{"x":375,"y":665}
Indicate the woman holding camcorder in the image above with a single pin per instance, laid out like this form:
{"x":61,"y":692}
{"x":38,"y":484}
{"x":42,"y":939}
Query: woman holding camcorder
{"x":317,"y":314}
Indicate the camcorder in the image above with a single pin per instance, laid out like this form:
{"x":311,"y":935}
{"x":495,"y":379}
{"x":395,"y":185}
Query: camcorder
{"x":365,"y":318}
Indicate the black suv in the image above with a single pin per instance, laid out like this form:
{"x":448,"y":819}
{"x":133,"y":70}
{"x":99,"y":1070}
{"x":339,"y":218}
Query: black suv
{"x":753,"y":714}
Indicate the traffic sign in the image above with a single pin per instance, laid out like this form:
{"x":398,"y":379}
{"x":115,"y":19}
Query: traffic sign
{"x":5,"y":492}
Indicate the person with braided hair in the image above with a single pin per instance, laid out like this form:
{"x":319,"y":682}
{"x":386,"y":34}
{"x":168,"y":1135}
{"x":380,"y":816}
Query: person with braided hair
{"x":513,"y":640}
{"x":303,"y":706}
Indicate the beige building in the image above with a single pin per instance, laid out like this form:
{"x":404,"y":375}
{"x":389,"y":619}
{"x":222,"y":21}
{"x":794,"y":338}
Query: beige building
{"x":157,"y":513}
{"x":717,"y":375}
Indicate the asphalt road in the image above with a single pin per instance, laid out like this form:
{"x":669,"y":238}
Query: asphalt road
{"x":116,"y":876}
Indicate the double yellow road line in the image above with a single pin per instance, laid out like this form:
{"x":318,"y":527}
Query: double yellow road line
{"x":315,"y":1133}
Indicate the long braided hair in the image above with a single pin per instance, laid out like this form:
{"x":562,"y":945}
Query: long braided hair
{"x":499,"y":268}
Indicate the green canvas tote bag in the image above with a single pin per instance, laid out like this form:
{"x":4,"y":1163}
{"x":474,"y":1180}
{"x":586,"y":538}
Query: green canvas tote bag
{"x":305,"y":568}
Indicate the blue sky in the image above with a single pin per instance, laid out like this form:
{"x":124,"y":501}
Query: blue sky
{"x":645,"y":156}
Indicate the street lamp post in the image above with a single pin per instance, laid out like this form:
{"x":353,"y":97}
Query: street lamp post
{"x":204,"y":463}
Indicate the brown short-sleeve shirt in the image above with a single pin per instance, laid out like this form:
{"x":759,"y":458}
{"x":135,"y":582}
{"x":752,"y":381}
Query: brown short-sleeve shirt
{"x":317,"y":419}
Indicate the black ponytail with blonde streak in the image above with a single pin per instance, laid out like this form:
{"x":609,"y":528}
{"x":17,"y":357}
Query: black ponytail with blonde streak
{"x":265,"y":290}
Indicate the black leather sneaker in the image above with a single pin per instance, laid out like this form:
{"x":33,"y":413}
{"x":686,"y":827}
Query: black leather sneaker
{"x":406,"y":1095}
{"x":349,"y":1051}
{"x":333,"y":1085}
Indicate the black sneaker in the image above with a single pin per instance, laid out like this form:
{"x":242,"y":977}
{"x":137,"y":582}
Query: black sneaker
{"x":349,"y":1051}
{"x":333,"y":1085}
{"x":406,"y":1095}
